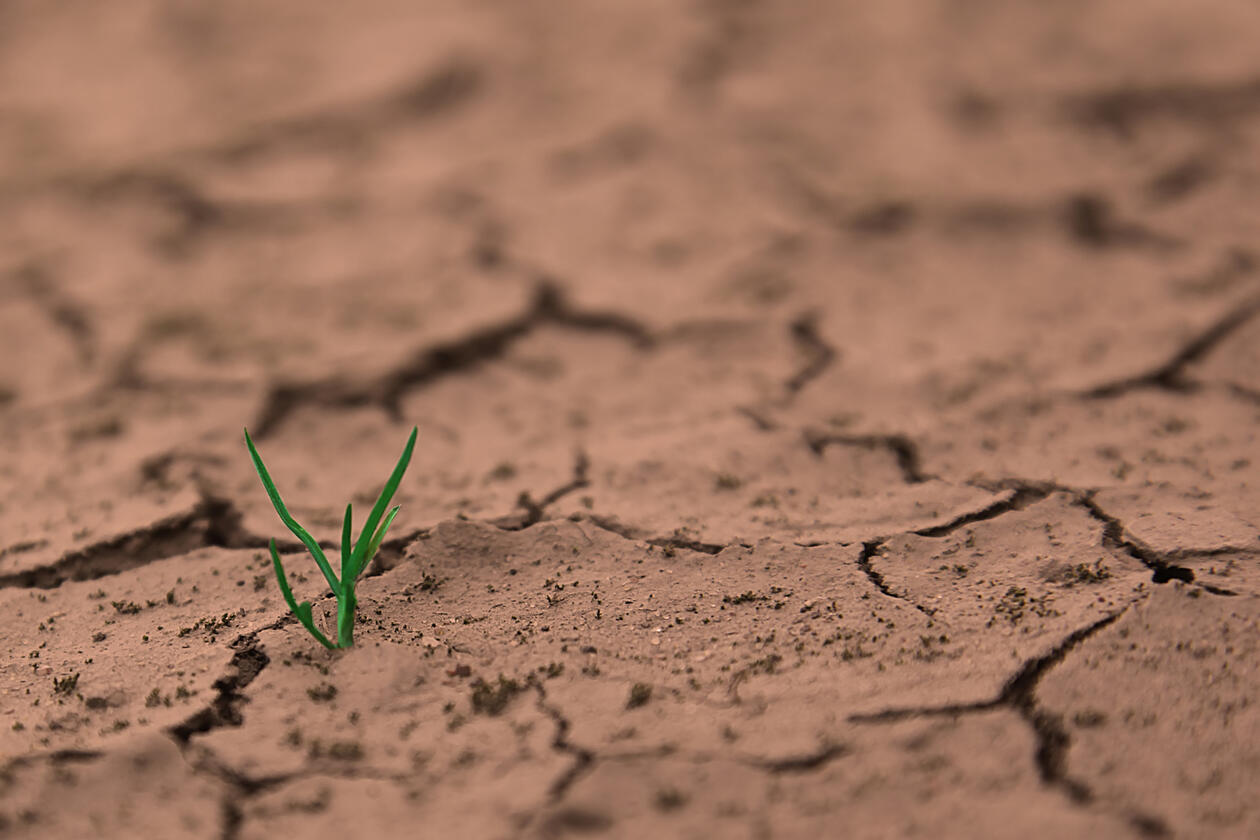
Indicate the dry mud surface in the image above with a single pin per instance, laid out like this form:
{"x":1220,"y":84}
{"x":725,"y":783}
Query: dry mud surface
{"x":837,"y":419}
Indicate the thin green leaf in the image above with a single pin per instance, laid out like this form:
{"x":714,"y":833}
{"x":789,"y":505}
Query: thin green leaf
{"x":346,"y":574}
{"x":376,"y":542}
{"x":382,"y":502}
{"x":302,"y":610}
{"x":291,"y":523}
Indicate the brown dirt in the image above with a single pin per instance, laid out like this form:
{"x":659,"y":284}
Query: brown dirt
{"x":837,"y":419}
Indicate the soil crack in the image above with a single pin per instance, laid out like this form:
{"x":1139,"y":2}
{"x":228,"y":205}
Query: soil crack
{"x":240,"y":787}
{"x":1251,"y":395}
{"x":1020,"y":497}
{"x":819,"y":355}
{"x":689,"y":545}
{"x":211,"y":522}
{"x":905,"y":450}
{"x":533,"y":511}
{"x":1091,"y":222}
{"x":224,"y":710}
{"x":1171,"y":375}
{"x":1121,"y":109}
{"x":871,"y":550}
{"x":627,"y":532}
{"x":192,"y":214}
{"x":442,"y":89}
{"x":1019,"y":694}
{"x":1162,"y":567}
{"x":801,"y":763}
{"x":583,"y":759}
{"x":387,"y":389}
{"x":1053,"y":739}
{"x":66,"y":315}
{"x":55,"y":758}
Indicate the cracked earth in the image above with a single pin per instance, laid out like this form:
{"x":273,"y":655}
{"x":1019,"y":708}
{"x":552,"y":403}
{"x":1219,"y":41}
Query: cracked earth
{"x":835,"y":420}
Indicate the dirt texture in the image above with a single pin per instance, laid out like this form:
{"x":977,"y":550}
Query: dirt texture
{"x":837,"y":418}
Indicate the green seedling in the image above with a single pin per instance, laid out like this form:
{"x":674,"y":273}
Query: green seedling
{"x":353,"y":560}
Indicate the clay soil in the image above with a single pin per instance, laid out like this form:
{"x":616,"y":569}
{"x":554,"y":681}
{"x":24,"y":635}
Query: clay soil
{"x":837,"y":419}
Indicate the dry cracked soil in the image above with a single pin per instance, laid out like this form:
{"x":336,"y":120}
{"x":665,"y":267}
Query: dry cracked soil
{"x":837,"y":419}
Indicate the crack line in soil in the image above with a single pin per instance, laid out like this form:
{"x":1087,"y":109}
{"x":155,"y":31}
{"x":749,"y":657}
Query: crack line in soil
{"x":246,"y":664}
{"x":819,"y":354}
{"x":240,"y":786}
{"x":1092,"y":223}
{"x":689,"y":545}
{"x":55,"y":757}
{"x":1020,"y":498}
{"x":177,"y":194}
{"x":1162,"y":568}
{"x":206,"y":524}
{"x":1121,"y":108}
{"x":614,"y":526}
{"x":212,"y":522}
{"x":1053,"y":739}
{"x":22,"y":547}
{"x":532,"y":512}
{"x":66,"y":315}
{"x":224,"y":710}
{"x":800,"y":763}
{"x":156,"y":469}
{"x":760,"y":421}
{"x":429,"y":364}
{"x":453,"y":83}
{"x":905,"y":450}
{"x":243,"y":786}
{"x":1162,"y":564}
{"x":190,"y":214}
{"x":1170,"y":375}
{"x":1019,"y":694}
{"x":610,"y":524}
{"x":583,"y":759}
{"x":1251,"y":395}
{"x":871,"y":550}
{"x":206,"y":762}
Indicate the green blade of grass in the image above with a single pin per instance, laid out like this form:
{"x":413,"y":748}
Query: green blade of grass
{"x":346,"y":555}
{"x":382,"y":502}
{"x":291,"y":523}
{"x":376,"y":542}
{"x":302,"y":610}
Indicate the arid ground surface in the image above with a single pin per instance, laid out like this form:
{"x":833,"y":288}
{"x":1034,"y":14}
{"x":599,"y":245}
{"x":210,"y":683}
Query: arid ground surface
{"x":837,"y":419}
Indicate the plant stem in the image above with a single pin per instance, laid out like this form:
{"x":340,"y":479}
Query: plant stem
{"x":345,"y":617}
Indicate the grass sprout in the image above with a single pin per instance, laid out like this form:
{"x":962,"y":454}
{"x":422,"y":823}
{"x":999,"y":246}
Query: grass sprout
{"x":353,"y":559}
